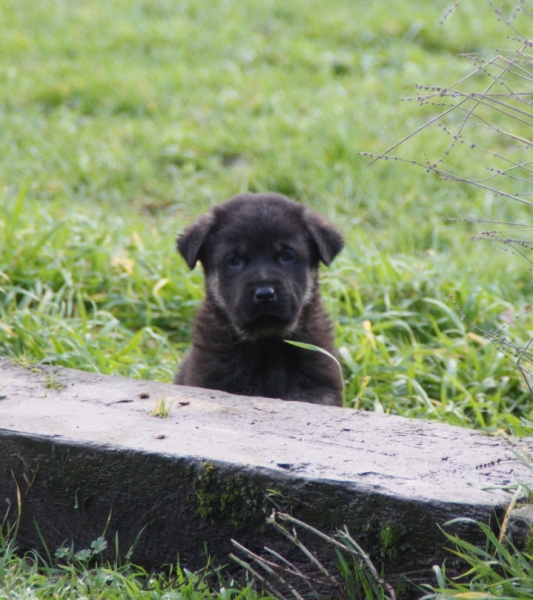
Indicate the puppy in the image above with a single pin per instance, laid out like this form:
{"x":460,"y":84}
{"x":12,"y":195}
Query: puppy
{"x":260,"y":254}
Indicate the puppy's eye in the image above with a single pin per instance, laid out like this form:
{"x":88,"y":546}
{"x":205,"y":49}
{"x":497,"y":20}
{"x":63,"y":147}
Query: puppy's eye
{"x":287,"y":257}
{"x":234,"y":261}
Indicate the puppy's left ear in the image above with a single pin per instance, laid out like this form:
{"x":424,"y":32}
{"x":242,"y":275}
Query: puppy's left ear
{"x":190,"y":242}
{"x":328,"y":238}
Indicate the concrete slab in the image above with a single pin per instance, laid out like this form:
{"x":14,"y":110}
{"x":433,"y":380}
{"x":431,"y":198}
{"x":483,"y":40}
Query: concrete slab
{"x":83,"y":448}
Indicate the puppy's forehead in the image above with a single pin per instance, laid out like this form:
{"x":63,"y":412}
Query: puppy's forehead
{"x":259,"y":222}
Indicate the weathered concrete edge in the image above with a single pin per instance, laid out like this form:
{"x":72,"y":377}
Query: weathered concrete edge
{"x":163,"y":476}
{"x":180,"y":503}
{"x":409,"y":457}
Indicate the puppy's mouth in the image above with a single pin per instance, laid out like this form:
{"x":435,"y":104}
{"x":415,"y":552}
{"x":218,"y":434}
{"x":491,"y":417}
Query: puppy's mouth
{"x":267,"y":325}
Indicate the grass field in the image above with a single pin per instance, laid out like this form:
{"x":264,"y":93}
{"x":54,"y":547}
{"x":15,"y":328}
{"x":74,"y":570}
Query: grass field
{"x":123,"y":120}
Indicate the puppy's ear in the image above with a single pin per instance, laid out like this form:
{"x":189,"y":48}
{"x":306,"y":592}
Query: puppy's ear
{"x":328,"y":238}
{"x":190,"y":242}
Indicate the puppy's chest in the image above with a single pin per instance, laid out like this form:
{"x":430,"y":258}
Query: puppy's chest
{"x":272,"y":372}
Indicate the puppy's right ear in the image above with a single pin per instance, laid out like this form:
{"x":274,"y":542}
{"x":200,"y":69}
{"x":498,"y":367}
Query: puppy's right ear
{"x":190,"y":242}
{"x":329,"y":239}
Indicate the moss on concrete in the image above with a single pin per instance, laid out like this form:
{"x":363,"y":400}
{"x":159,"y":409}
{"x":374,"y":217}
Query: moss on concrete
{"x":236,"y":499}
{"x":384,"y":541}
{"x":205,"y":488}
{"x":390,"y":537}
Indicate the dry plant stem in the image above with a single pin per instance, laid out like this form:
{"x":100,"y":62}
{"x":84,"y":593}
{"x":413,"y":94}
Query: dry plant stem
{"x":19,"y":509}
{"x":298,"y":544}
{"x":510,"y":508}
{"x":458,"y":178}
{"x":510,"y":350}
{"x":358,"y":552}
{"x":469,"y":114}
{"x":259,"y":577}
{"x":345,"y":535}
{"x":483,"y":97}
{"x":507,"y":68}
{"x":364,"y":556}
{"x":290,"y":567}
{"x":6,"y":515}
{"x":384,"y":155}
{"x":295,"y":570}
{"x":503,"y":243}
{"x":525,"y":375}
{"x":519,"y":362}
{"x":267,"y":566}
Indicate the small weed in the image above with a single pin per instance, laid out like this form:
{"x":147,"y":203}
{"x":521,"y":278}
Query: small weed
{"x":162,"y":409}
{"x":81,"y":557}
{"x":22,"y":360}
{"x":51,"y":382}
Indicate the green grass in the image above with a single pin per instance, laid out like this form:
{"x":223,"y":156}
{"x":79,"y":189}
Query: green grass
{"x":123,"y":120}
{"x":496,"y":572}
{"x":120,"y":121}
{"x":73,"y":575}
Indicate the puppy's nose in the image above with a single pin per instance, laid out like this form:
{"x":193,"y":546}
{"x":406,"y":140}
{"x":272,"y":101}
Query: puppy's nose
{"x":264,"y":295}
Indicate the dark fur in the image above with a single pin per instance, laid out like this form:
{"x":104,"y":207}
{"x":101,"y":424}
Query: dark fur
{"x":260,"y":254}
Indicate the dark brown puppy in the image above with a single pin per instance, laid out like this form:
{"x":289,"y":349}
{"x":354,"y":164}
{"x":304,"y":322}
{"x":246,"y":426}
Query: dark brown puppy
{"x":260,"y":254}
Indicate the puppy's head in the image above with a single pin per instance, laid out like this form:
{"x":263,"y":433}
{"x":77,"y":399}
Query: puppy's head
{"x":260,"y":254}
